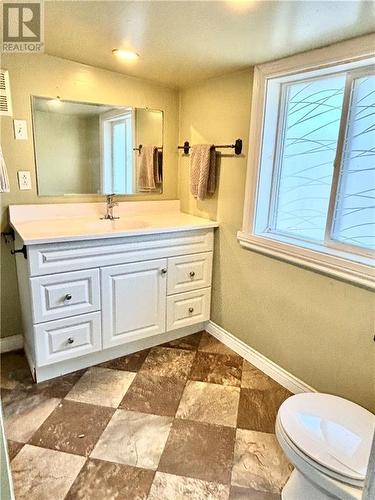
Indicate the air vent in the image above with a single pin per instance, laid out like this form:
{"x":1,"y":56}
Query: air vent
{"x":5,"y":100}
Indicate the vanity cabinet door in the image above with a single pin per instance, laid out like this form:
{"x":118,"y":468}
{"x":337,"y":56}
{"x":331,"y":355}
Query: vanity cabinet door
{"x":133,"y":301}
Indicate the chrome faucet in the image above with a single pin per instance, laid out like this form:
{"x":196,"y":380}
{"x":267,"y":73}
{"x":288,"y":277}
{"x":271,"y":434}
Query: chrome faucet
{"x":110,"y":204}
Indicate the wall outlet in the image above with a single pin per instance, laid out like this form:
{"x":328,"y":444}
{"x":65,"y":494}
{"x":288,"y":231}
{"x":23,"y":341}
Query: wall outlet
{"x":20,"y":129}
{"x":24,"y":179}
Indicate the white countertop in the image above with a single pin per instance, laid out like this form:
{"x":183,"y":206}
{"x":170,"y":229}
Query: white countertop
{"x":50,"y":223}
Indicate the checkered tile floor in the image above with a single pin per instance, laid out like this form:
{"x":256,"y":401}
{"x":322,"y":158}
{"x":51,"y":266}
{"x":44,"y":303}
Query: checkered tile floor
{"x":186,"y":420}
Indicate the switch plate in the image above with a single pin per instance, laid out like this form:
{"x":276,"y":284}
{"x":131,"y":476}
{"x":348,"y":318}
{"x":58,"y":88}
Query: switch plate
{"x":20,"y":129}
{"x":24,"y":180}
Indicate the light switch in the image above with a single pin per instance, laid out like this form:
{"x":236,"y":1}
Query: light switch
{"x":20,"y":129}
{"x":24,"y":180}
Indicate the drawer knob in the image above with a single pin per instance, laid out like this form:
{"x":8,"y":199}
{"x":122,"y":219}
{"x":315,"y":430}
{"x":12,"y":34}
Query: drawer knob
{"x":192,"y":274}
{"x":191,"y":309}
{"x":70,"y":340}
{"x":164,"y":271}
{"x":68,"y":297}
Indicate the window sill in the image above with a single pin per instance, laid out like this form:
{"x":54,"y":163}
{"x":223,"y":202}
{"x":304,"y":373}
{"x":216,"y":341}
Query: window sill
{"x":327,"y":262}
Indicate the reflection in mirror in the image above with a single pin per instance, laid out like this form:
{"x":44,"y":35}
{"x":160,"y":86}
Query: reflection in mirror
{"x":83,"y":148}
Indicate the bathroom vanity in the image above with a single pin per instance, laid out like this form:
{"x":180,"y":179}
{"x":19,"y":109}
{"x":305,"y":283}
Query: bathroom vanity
{"x":93,"y":290}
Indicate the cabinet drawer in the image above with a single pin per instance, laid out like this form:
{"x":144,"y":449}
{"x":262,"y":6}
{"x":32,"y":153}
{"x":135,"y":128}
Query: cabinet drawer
{"x":188,"y":308}
{"x":189,"y":272}
{"x":67,"y":338}
{"x":63,"y":295}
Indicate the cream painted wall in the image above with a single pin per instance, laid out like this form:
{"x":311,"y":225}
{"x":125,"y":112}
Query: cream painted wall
{"x":45,"y":75}
{"x":316,"y":327}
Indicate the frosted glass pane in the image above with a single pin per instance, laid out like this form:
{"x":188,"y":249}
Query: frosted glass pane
{"x":311,"y":127}
{"x":355,"y":210}
{"x":119,"y":156}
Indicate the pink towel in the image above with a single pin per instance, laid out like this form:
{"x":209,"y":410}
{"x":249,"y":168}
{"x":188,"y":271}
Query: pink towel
{"x":203,"y":170}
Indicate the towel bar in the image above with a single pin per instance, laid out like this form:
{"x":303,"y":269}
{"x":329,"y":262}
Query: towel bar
{"x":139,"y":148}
{"x":237,"y":146}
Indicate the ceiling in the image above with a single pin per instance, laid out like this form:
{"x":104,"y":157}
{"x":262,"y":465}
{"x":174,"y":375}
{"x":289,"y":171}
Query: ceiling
{"x":183,"y":42}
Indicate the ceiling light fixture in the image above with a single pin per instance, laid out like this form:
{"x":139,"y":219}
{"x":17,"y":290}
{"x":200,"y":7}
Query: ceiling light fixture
{"x":127,"y":55}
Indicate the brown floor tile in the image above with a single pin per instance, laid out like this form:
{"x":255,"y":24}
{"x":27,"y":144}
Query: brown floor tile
{"x":190,"y":342}
{"x":208,"y":343}
{"x":130,"y":363}
{"x":55,"y":388}
{"x":99,"y":480}
{"x":73,"y":427}
{"x":259,"y":462}
{"x":199,"y":450}
{"x":252,"y":378}
{"x":14,"y":370}
{"x":13,"y":448}
{"x":169,"y":362}
{"x":239,"y":493}
{"x":217,"y":368}
{"x":153,"y":394}
{"x":257,"y":409}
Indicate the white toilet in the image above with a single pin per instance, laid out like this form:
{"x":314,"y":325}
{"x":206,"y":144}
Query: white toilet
{"x":328,"y":440}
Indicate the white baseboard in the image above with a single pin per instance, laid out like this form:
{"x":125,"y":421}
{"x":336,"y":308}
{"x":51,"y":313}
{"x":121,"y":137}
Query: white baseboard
{"x":11,"y":343}
{"x":284,"y":378}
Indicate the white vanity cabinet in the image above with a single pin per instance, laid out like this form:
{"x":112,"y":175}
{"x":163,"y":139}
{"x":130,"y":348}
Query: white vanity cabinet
{"x":88,"y":301}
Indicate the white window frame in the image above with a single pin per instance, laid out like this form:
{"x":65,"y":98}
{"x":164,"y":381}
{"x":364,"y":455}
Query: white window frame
{"x":333,"y":258}
{"x":107,"y":120}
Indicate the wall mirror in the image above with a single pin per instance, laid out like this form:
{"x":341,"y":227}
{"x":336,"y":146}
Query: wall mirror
{"x":86,"y":148}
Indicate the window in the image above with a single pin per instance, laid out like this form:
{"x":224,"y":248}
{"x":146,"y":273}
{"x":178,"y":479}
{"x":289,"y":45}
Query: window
{"x":311,"y":173}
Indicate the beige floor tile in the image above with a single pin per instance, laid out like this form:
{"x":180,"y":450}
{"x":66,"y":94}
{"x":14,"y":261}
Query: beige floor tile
{"x":211,"y":403}
{"x":24,"y":416}
{"x":134,"y":438}
{"x":259,"y":462}
{"x":167,"y":486}
{"x":40,"y":474}
{"x":102,"y":386}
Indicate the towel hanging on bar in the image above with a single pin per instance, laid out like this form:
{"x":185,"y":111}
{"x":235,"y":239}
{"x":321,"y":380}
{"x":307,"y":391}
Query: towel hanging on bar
{"x":4,"y":179}
{"x":149,"y":168}
{"x":203,"y":170}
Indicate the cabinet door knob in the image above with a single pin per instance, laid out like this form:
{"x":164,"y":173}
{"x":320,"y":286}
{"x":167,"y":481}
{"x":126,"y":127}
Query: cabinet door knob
{"x":164,"y":271}
{"x":70,"y":340}
{"x":68,"y":297}
{"x":192,"y":274}
{"x":191,"y":309}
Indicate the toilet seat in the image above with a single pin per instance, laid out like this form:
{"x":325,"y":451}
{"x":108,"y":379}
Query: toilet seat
{"x":310,"y":467}
{"x":330,"y":433}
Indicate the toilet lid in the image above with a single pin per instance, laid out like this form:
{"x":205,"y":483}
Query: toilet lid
{"x":334,"y":432}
